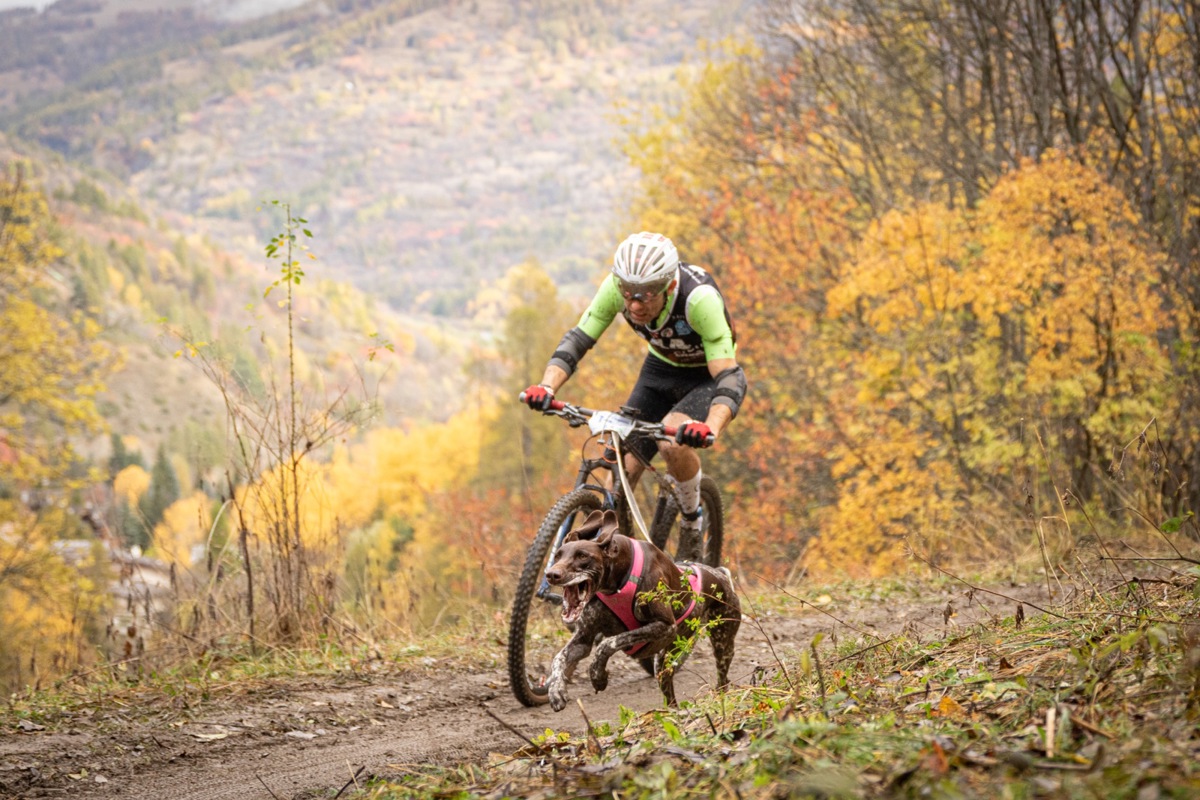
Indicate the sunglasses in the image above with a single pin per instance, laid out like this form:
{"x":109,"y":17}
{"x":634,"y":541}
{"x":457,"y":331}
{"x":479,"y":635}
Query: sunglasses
{"x":641,"y":292}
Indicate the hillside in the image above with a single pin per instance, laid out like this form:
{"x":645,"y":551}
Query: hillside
{"x":436,"y":143}
{"x":144,"y":276}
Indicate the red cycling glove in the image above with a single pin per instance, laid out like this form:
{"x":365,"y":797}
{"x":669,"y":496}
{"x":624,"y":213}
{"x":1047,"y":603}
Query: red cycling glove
{"x":538,"y":397}
{"x":694,"y":434}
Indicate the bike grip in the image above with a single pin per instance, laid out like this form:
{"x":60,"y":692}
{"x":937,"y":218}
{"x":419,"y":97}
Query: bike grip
{"x":555,"y":405}
{"x":709,"y":440}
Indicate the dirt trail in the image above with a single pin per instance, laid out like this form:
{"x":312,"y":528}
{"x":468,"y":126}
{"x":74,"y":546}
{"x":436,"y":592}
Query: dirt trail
{"x":308,"y":739}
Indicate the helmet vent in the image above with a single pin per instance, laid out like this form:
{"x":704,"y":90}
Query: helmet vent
{"x":645,"y":258}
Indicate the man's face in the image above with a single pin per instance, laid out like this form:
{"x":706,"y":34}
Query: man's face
{"x":643,"y":304}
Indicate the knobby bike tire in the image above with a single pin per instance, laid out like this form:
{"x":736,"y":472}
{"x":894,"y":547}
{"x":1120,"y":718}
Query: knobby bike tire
{"x":666,"y":517}
{"x":531,"y":690}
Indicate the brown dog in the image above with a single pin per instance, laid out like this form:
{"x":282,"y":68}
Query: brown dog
{"x":604,"y":580}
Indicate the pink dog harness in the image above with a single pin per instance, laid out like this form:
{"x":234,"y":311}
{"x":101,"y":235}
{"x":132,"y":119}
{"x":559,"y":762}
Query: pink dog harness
{"x":621,"y":601}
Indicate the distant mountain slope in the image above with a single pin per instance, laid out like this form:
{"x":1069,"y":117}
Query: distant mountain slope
{"x":140,"y":276}
{"x":435,"y":143}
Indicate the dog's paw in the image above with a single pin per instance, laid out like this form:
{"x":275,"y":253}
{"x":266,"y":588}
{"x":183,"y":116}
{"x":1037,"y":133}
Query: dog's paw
{"x":558,"y":698}
{"x":599,"y":676}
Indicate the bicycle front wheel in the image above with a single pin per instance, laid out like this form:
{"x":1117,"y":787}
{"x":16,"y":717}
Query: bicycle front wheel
{"x":664,"y":530}
{"x":536,"y":631}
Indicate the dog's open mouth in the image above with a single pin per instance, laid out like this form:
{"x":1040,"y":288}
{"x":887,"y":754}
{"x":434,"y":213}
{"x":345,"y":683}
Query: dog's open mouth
{"x":575,"y":596}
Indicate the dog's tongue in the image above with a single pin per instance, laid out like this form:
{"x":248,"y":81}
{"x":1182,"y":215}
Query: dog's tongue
{"x":573,"y":602}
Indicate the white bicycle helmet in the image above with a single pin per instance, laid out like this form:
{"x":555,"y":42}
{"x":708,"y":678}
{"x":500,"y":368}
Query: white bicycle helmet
{"x":645,"y":264}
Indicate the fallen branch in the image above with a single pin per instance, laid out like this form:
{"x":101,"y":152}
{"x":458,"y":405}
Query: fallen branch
{"x":353,"y":780}
{"x":1090,"y":728}
{"x":975,"y":588}
{"x":268,"y":788}
{"x":511,"y":729}
{"x":593,"y":743}
{"x":841,"y":622}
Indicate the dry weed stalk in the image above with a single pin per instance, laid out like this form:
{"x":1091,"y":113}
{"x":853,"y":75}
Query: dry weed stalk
{"x":274,"y":507}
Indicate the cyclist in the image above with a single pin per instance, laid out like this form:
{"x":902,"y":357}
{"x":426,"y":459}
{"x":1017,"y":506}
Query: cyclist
{"x":690,"y":378}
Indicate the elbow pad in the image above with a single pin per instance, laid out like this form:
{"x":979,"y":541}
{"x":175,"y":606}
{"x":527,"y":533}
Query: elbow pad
{"x":731,"y":388}
{"x":571,"y":350}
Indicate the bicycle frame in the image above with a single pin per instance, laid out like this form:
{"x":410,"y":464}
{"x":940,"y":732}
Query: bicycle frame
{"x":611,"y":432}
{"x":617,"y":427}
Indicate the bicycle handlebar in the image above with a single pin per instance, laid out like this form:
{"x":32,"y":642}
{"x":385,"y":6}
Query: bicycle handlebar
{"x":657,"y":430}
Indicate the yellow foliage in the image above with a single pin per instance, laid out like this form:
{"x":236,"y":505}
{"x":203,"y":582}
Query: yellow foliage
{"x":35,"y":633}
{"x":913,"y":271}
{"x":51,"y":365}
{"x":132,"y":296}
{"x":130,"y":484}
{"x":392,"y":472}
{"x":184,"y":525}
{"x":116,"y":279}
{"x":351,"y":486}
{"x":890,"y":485}
{"x":272,"y":503}
{"x":48,"y":604}
{"x":1065,"y":261}
{"x":1039,"y":312}
{"x":410,"y":465}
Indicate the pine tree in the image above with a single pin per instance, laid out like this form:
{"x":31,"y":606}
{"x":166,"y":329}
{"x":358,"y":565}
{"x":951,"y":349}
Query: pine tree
{"x":122,"y":457}
{"x":164,"y":490}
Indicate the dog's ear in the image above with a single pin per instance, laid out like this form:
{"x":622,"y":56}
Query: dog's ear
{"x":589,"y":528}
{"x":608,"y":526}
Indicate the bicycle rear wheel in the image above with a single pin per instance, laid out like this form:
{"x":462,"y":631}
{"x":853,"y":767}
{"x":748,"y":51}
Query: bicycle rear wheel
{"x":664,"y":530}
{"x":536,"y":631}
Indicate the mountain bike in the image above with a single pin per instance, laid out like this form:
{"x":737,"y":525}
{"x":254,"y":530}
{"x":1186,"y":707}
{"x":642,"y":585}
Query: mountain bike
{"x":536,"y":631}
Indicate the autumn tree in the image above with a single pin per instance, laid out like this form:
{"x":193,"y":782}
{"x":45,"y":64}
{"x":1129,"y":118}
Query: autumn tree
{"x":864,"y":182}
{"x":129,"y":487}
{"x":928,"y":101}
{"x":517,"y":447}
{"x":183,"y":530}
{"x":983,"y":341}
{"x":51,"y":369}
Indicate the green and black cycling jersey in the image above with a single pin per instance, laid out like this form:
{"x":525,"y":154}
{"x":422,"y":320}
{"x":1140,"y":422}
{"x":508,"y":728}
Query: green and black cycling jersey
{"x":693,"y":329}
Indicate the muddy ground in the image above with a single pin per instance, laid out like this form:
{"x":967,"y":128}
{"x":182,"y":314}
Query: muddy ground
{"x":308,"y":738}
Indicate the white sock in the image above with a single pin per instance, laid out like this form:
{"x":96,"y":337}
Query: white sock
{"x":688,"y":493}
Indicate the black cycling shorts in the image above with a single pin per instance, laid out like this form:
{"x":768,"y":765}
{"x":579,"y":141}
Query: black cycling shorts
{"x":662,"y":388}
